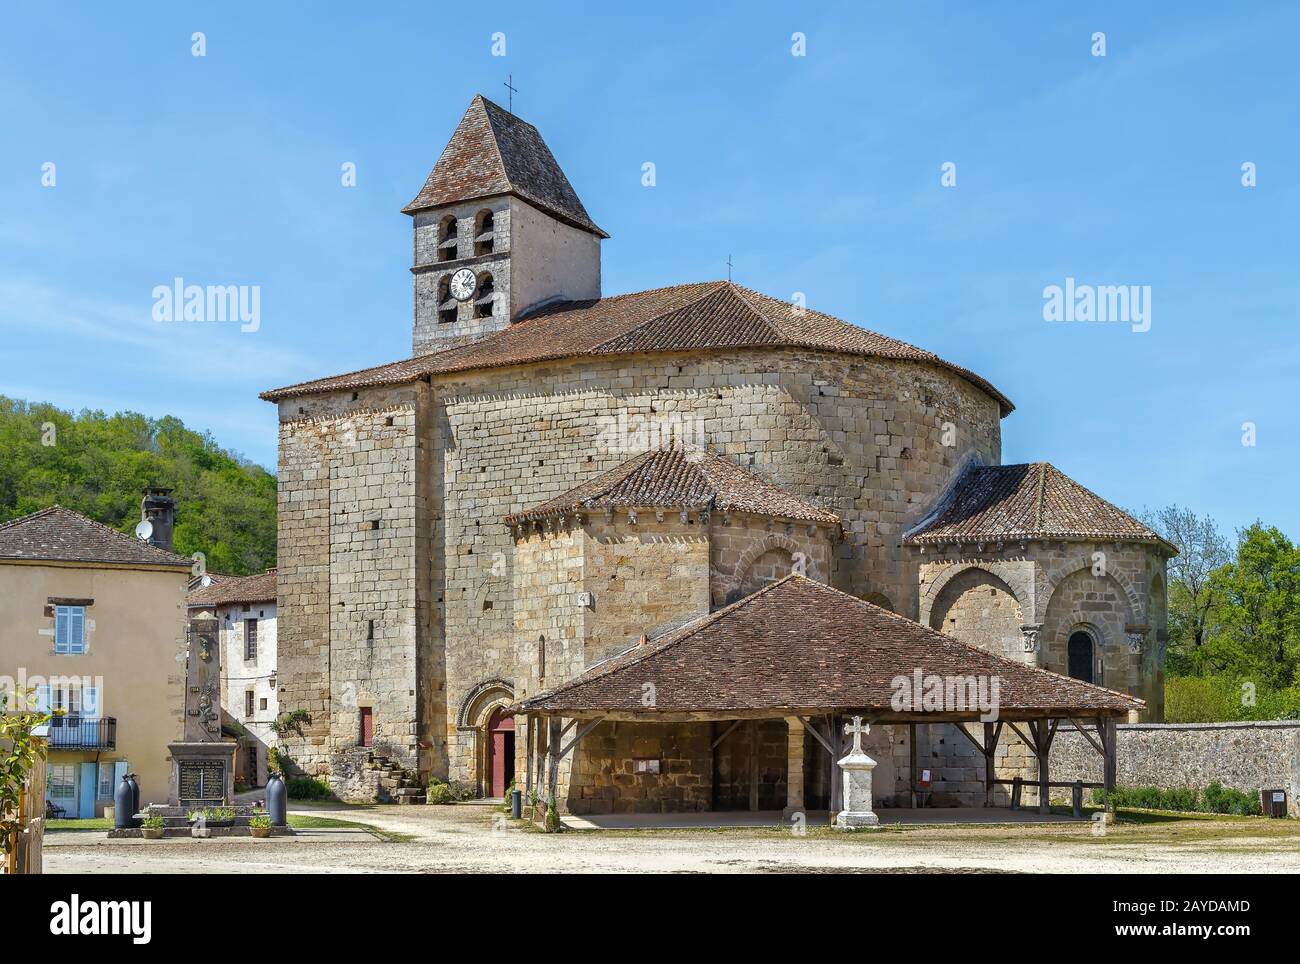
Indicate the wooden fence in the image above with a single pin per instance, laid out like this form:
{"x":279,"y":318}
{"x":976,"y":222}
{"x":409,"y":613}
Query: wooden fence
{"x":24,"y":856}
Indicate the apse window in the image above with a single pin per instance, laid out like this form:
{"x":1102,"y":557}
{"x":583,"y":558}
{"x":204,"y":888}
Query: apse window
{"x":1080,"y":656}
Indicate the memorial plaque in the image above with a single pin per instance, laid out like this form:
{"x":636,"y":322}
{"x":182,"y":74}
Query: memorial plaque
{"x":201,"y":781}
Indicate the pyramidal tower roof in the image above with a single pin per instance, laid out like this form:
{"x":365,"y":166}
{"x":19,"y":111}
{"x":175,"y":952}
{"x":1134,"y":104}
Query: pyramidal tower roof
{"x":493,"y":152}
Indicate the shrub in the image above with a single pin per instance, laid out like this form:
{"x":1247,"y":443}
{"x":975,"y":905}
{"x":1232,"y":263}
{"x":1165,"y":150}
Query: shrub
{"x":553,"y":824}
{"x":153,"y":822}
{"x":438,"y":794}
{"x":1221,"y":799}
{"x":1213,"y":799}
{"x":308,"y":788}
{"x":260,"y":822}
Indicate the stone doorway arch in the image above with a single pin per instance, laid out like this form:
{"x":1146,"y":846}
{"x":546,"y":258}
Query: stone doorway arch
{"x":479,"y":710}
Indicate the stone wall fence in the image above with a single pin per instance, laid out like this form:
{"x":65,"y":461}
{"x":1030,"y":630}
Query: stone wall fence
{"x":1246,"y":756}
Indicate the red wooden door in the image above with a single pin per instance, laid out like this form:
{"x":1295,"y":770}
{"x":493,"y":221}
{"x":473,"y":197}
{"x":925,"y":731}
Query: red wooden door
{"x":367,"y":726}
{"x":501,"y":753}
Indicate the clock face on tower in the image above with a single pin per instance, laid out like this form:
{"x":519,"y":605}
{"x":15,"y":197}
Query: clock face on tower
{"x":463,"y":284}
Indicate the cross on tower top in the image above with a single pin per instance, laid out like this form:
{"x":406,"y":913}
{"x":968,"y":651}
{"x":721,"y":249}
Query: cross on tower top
{"x":857,"y":729}
{"x":510,"y":97}
{"x":728,"y":267}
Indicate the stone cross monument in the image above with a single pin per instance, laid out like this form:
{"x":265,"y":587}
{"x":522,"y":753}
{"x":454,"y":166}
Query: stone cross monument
{"x":857,"y":767}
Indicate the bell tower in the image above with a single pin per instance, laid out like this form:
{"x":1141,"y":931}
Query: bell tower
{"x":498,"y":231}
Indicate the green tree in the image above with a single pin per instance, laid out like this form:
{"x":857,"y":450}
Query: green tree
{"x":1255,"y":631}
{"x":99,"y":464}
{"x":1201,"y":550}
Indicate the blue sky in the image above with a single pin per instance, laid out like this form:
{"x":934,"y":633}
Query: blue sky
{"x":818,"y":174}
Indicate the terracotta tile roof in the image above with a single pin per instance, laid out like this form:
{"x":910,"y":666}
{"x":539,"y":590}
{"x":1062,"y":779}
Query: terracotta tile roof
{"x":800,"y":645}
{"x":710,"y":314}
{"x":57,"y":534}
{"x":1007,"y":503}
{"x":680,"y":479}
{"x":224,"y":590}
{"x":494,"y":152}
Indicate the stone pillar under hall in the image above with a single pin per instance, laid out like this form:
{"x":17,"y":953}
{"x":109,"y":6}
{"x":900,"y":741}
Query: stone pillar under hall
{"x":794,"y":802}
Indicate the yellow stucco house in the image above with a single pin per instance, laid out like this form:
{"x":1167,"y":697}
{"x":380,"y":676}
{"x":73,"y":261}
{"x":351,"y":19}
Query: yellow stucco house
{"x":92,"y":622}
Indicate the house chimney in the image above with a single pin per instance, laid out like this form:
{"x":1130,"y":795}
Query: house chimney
{"x":158,"y":508}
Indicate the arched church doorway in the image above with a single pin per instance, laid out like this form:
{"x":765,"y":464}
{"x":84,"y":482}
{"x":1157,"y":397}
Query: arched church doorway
{"x":501,"y":752}
{"x":1080,"y":656}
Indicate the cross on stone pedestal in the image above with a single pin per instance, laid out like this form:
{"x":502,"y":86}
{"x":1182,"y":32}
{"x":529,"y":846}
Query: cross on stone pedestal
{"x":857,"y":729}
{"x":856,"y":768}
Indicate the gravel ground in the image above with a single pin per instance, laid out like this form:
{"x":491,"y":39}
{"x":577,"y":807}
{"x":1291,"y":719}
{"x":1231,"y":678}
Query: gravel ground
{"x":476,"y":839}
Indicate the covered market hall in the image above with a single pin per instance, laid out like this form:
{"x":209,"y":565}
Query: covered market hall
{"x":743,"y":712}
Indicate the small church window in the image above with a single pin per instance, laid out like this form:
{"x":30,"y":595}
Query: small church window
{"x":1080,"y":656}
{"x":484,"y":236}
{"x":446,"y":303}
{"x":541,"y":658}
{"x":484,"y":297}
{"x":448,"y":239}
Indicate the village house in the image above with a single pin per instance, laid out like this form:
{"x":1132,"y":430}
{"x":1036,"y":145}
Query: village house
{"x":92,"y":623}
{"x":244,"y":608}
{"x":557,"y":481}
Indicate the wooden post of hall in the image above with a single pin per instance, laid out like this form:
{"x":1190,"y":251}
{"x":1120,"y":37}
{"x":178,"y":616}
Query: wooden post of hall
{"x":1108,"y":766}
{"x":531,"y":735}
{"x":553,"y":762}
{"x":835,"y":735}
{"x":915,"y":763}
{"x":990,"y":754}
{"x":1042,"y":748}
{"x":752,"y":726}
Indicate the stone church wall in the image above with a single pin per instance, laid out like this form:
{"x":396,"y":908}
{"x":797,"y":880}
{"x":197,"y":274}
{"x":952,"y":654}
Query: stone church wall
{"x":860,"y":436}
{"x":355,"y":620}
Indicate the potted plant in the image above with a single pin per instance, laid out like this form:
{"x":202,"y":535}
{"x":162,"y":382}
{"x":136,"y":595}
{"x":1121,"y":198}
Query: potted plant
{"x":260,"y":826}
{"x":152,"y":827}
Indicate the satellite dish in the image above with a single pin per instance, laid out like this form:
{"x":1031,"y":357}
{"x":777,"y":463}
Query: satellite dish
{"x":205,"y":581}
{"x":144,"y":530}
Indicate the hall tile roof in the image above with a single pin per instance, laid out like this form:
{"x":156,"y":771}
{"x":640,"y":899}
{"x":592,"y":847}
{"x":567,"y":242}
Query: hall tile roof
{"x":800,"y":645}
{"x":57,"y":534}
{"x":680,"y":478}
{"x":224,"y":590}
{"x":1025,"y":502}
{"x":494,"y":152}
{"x":704,"y":315}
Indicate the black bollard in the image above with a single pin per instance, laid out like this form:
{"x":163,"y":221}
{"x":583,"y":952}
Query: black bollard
{"x":516,"y":804}
{"x":123,"y":805}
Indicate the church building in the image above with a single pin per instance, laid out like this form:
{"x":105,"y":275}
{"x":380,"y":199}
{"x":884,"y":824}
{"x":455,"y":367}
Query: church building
{"x":559,"y":490}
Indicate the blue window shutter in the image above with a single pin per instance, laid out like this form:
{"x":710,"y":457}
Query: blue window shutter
{"x":61,"y":629}
{"x":88,"y":785}
{"x":77,"y":630}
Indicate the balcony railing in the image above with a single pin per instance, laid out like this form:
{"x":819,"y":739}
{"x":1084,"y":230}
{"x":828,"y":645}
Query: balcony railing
{"x":83,"y":733}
